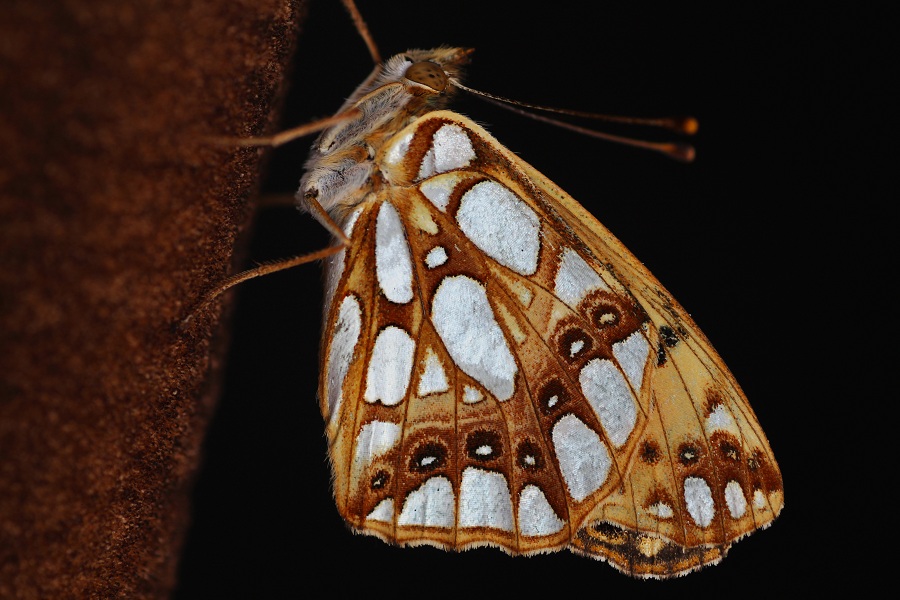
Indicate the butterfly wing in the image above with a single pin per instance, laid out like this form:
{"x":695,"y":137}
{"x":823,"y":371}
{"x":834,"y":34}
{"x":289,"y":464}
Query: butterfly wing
{"x":705,"y":475}
{"x":513,"y":376}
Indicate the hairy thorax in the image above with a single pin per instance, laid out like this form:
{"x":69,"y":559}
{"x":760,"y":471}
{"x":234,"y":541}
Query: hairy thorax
{"x":341,"y":170}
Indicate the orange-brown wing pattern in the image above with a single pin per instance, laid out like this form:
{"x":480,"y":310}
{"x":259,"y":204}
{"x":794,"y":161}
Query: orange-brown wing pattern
{"x":499,"y":370}
{"x":705,"y":474}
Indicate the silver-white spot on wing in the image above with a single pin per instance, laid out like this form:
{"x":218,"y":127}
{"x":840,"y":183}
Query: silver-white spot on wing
{"x":390,"y":367}
{"x":759,"y":499}
{"x":536,"y":516}
{"x":472,"y":395}
{"x":450,"y":149}
{"x":583,"y":458}
{"x":436,"y":257}
{"x":433,"y":379}
{"x":575,"y":279}
{"x":344,"y":337}
{"x":465,"y":321}
{"x":393,"y":263}
{"x":576,"y":347}
{"x":430,"y":505}
{"x":484,"y":500}
{"x":721,"y":420}
{"x":374,"y":439}
{"x":632,"y":353}
{"x":438,"y":189}
{"x":734,"y":498}
{"x":383,"y":512}
{"x":501,"y":225}
{"x":609,"y":395}
{"x":398,"y":149}
{"x":661,"y":510}
{"x":699,"y":501}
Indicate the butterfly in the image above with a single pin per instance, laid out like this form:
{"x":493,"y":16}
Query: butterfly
{"x":497,"y":369}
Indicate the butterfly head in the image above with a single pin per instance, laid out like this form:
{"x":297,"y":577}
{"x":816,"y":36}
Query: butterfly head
{"x":427,"y":72}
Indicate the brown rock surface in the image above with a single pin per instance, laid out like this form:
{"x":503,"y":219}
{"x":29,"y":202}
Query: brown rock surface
{"x":115,"y":217}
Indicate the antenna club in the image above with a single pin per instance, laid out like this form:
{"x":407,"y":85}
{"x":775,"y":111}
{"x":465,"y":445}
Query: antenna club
{"x":689,"y":125}
{"x":681,"y":152}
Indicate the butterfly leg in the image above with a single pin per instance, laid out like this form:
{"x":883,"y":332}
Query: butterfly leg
{"x":264,"y":269}
{"x":288,"y":135}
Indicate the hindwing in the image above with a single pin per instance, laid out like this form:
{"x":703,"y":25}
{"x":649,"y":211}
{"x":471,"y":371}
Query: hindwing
{"x":499,"y":370}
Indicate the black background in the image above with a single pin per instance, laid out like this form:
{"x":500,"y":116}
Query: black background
{"x":755,"y":239}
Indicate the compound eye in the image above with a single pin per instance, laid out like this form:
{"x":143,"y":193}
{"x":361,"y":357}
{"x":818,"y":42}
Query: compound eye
{"x":428,"y":73}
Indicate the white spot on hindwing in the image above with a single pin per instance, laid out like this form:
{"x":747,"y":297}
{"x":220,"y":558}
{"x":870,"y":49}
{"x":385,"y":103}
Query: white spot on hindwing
{"x":436,"y":257}
{"x":398,"y":149}
{"x":472,"y":395}
{"x":583,"y":459}
{"x":430,"y":505}
{"x":699,"y":500}
{"x":575,"y":279}
{"x":734,"y":498}
{"x":433,"y":378}
{"x":501,"y":225}
{"x":661,"y":510}
{"x":383,"y":512}
{"x":450,"y":149}
{"x":484,"y":500}
{"x":466,"y":324}
{"x":632,"y":353}
{"x":536,"y":516}
{"x":575,"y":348}
{"x":344,"y":337}
{"x":374,"y":439}
{"x":438,"y":189}
{"x":609,"y":395}
{"x":721,"y":420}
{"x":393,"y":263}
{"x":390,"y":367}
{"x":759,"y":499}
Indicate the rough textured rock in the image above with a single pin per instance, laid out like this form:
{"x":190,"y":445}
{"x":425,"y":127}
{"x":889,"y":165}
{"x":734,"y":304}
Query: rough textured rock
{"x":116,"y":215}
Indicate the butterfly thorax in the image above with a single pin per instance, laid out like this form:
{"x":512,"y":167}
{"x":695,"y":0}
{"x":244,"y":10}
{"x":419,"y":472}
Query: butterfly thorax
{"x":341,"y":171}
